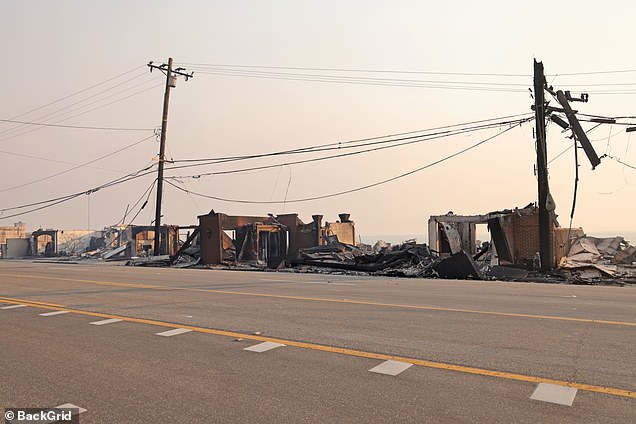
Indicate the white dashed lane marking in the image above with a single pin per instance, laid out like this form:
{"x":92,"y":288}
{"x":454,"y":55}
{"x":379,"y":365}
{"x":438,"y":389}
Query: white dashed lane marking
{"x":52,"y":314}
{"x":106,"y":321}
{"x":263,"y":347}
{"x":561,"y":395}
{"x":391,"y":367}
{"x":13,"y":306}
{"x":71,"y":406}
{"x":174,"y":332}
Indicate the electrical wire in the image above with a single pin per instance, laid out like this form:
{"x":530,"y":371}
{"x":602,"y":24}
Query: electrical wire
{"x":571,"y":145}
{"x":75,"y":126}
{"x":368,"y":79}
{"x":58,"y":161}
{"x":407,"y":141}
{"x":129,"y":177}
{"x":365,"y":187}
{"x":365,"y":81}
{"x":598,"y":72}
{"x":11,"y":136}
{"x":78,"y":166}
{"x":576,"y":186}
{"x":387,"y":71}
{"x":9,"y":130}
{"x":619,"y":161}
{"x":339,"y":78}
{"x":305,"y":74}
{"x":78,"y":92}
{"x":148,"y":191}
{"x":340,"y":144}
{"x":341,"y":155}
{"x":399,"y":71}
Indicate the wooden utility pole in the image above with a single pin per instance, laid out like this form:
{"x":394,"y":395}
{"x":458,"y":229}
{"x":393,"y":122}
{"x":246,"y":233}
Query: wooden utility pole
{"x":545,"y":218}
{"x":171,"y":76}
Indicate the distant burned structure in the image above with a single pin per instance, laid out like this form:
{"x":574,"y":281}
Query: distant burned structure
{"x":138,"y":240}
{"x":16,"y":242}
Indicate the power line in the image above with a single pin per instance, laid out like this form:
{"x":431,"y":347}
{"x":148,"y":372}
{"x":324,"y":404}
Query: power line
{"x":341,"y":155}
{"x":392,"y":71}
{"x":571,"y":145}
{"x":305,"y":74}
{"x":387,"y":71}
{"x":57,"y":161}
{"x":149,"y":193}
{"x":10,"y":130}
{"x":129,"y":177}
{"x":397,"y":80}
{"x":78,"y":166}
{"x":371,"y":79}
{"x":366,"y":81}
{"x":146,"y":171}
{"x":447,"y":85}
{"x":90,"y":110}
{"x":75,"y":126}
{"x":77,"y":92}
{"x":345,"y":144}
{"x":619,"y":161}
{"x":365,"y":187}
{"x":621,"y":71}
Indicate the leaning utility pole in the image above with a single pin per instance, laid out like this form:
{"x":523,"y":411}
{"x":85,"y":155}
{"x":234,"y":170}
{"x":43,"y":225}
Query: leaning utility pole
{"x":545,"y":219}
{"x":171,"y":82}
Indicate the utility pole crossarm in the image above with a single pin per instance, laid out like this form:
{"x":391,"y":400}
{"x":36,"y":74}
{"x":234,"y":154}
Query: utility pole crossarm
{"x":178,"y":71}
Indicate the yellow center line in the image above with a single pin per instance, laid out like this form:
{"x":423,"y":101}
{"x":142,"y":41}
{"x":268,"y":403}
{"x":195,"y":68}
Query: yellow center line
{"x":330,"y":300}
{"x":34,"y":303}
{"x":344,"y":351}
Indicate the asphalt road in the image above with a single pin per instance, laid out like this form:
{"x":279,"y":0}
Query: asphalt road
{"x":462,"y":351}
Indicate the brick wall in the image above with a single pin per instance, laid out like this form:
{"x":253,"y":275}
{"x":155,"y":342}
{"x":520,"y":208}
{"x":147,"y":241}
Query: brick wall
{"x":526,"y":241}
{"x":18,"y":230}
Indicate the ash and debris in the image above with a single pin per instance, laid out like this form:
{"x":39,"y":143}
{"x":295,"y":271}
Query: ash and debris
{"x":590,"y":261}
{"x":285,"y":244}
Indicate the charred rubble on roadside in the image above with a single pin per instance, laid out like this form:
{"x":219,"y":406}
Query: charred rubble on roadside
{"x":286,"y":243}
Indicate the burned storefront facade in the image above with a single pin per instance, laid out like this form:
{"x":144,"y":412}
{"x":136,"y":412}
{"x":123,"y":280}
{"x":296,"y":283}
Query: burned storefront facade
{"x":138,"y":240}
{"x":514,"y":236}
{"x":266,"y":241}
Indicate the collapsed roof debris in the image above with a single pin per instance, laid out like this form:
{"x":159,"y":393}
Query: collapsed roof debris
{"x":405,"y":260}
{"x":595,"y":260}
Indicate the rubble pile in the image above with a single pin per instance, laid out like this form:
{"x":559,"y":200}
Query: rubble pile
{"x":406,"y":260}
{"x":593,"y":260}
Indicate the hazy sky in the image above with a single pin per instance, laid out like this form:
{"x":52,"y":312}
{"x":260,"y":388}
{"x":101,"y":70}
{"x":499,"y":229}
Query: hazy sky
{"x":481,"y":52}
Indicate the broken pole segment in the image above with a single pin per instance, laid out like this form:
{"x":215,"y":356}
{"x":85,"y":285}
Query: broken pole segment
{"x":578,"y":131}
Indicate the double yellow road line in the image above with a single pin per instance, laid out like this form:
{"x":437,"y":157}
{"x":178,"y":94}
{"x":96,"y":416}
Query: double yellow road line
{"x":330,"y":300}
{"x":343,"y":351}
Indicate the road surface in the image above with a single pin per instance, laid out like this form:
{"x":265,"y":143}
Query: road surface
{"x":155,"y":345}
